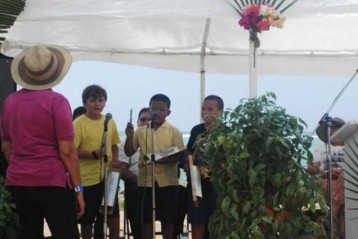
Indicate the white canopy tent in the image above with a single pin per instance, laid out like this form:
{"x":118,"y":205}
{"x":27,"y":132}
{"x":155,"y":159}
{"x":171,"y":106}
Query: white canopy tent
{"x":318,"y":38}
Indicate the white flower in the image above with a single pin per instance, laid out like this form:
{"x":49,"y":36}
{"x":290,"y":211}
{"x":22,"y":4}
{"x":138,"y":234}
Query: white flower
{"x":264,"y":10}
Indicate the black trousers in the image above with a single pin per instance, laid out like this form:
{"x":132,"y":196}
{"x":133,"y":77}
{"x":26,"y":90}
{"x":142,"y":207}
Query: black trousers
{"x":55,"y":204}
{"x":130,"y":197}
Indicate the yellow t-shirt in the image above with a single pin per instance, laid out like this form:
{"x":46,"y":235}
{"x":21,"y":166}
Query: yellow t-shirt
{"x":88,"y":137}
{"x":164,"y":137}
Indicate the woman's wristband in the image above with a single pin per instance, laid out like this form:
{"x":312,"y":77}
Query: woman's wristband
{"x":78,"y":188}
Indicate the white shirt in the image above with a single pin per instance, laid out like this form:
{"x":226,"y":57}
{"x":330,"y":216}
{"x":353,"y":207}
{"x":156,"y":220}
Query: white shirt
{"x":132,"y":161}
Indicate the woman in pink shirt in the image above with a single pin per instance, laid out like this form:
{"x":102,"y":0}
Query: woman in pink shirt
{"x":37,"y":140}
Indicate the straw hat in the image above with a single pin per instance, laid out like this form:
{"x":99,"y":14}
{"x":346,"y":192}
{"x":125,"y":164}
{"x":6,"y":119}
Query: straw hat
{"x":41,"y":67}
{"x":321,"y":130}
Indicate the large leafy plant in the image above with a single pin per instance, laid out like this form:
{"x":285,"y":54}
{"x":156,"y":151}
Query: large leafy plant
{"x":256,"y":159}
{"x":9,"y":222}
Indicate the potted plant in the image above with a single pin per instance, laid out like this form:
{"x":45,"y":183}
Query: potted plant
{"x":256,"y":159}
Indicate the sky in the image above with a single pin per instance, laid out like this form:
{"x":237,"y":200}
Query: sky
{"x":131,"y":87}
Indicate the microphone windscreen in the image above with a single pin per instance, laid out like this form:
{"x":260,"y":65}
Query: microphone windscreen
{"x":108,"y":115}
{"x":155,"y":114}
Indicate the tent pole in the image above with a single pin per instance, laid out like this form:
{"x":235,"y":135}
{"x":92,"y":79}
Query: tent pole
{"x":202,"y":62}
{"x":252,"y":67}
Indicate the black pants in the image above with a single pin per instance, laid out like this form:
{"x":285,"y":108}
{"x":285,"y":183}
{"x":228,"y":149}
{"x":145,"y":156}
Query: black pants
{"x":55,"y":204}
{"x":130,"y":196}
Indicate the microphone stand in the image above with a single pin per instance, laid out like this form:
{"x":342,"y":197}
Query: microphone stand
{"x":105,"y":196}
{"x":328,"y":120}
{"x":329,"y":196}
{"x":152,"y":157}
{"x":336,"y":99}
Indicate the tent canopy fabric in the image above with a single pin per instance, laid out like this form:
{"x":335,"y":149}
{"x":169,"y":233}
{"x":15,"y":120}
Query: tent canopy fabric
{"x":319,"y":37}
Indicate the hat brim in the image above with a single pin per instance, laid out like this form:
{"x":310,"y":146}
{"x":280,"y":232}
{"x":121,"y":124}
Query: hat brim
{"x":19,"y":75}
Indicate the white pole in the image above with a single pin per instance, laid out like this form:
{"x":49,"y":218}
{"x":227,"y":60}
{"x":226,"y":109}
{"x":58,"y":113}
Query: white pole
{"x":202,"y":63}
{"x":252,"y":69}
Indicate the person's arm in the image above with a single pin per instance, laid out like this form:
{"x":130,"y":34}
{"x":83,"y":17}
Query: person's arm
{"x":90,"y":155}
{"x":69,"y":157}
{"x":115,"y":156}
{"x":190,"y":149}
{"x":128,"y":146}
{"x":314,"y":170}
{"x":6,"y":149}
{"x":126,"y":174}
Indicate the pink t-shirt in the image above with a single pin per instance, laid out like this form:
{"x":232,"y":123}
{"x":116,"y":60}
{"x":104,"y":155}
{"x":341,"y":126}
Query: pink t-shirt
{"x":34,"y":122}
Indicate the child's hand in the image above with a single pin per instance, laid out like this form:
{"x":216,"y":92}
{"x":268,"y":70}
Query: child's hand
{"x":116,"y":163}
{"x":129,"y":129}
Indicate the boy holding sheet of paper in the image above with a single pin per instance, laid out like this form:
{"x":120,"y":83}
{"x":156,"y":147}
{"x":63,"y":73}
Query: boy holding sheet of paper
{"x":200,"y":209}
{"x":165,"y":136}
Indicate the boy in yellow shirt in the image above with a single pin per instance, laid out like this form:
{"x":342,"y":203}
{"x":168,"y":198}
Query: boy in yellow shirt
{"x":89,"y":137}
{"x":166,"y":179}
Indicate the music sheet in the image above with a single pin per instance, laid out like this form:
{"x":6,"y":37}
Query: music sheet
{"x":195,"y":181}
{"x":112,"y":189}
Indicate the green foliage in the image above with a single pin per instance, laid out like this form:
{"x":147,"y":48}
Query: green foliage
{"x":255,"y":161}
{"x":8,"y":219}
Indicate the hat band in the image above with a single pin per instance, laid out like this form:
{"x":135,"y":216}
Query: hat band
{"x":46,"y":73}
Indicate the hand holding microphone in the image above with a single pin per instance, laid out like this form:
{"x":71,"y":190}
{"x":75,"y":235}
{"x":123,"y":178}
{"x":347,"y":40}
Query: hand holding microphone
{"x":129,"y":129}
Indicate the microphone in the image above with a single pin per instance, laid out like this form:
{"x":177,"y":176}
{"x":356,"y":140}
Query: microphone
{"x":108,"y":117}
{"x":154,"y":115}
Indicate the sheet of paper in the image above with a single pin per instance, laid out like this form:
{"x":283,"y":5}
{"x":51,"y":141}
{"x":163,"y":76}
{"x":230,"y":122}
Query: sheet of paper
{"x":195,"y":181}
{"x":163,"y":154}
{"x":112,"y":188}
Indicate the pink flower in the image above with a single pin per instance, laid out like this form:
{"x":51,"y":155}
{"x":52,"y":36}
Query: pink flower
{"x":247,"y":21}
{"x":250,"y":16}
{"x":252,"y":9}
{"x":263,"y":25}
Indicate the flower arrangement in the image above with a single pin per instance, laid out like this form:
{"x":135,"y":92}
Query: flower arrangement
{"x":260,"y":15}
{"x":259,"y":18}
